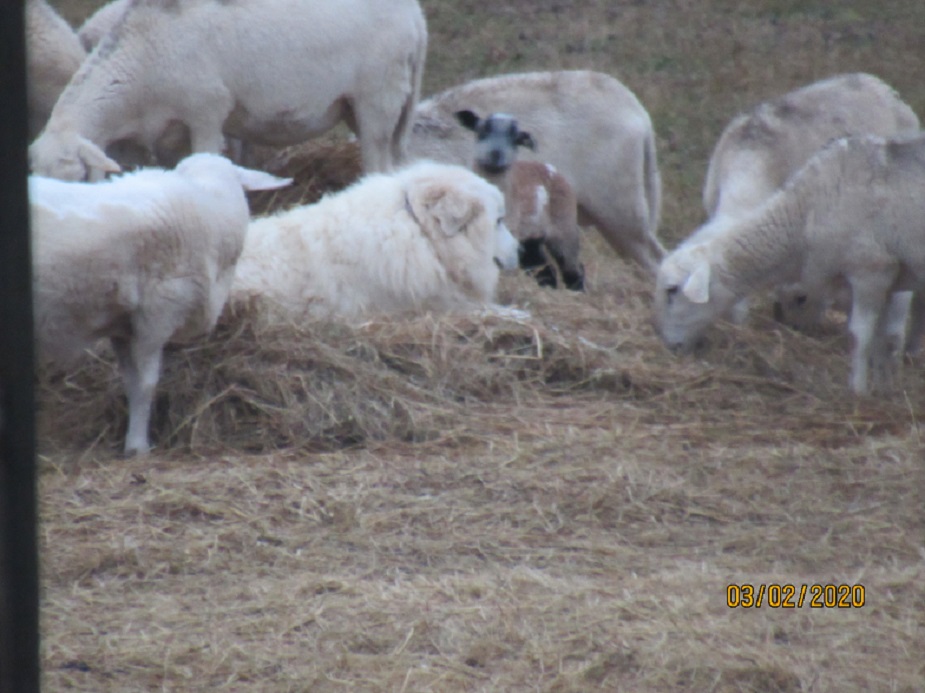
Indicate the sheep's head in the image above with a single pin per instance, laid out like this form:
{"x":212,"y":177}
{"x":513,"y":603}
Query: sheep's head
{"x":69,"y":156}
{"x":497,"y":139}
{"x":688,"y":297}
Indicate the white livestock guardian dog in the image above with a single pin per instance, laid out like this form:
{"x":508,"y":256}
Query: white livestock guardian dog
{"x":430,"y":237}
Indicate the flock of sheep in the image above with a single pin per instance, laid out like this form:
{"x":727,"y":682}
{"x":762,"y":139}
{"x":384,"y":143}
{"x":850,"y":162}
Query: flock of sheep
{"x":816,"y":194}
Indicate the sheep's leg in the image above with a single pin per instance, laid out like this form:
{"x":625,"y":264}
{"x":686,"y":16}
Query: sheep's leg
{"x":862,"y":326}
{"x":375,"y":126}
{"x":205,"y":132}
{"x":534,"y":261}
{"x":565,"y":256}
{"x":867,"y":325}
{"x":140,"y":365}
{"x":896,"y":322}
{"x":916,"y":325}
{"x":375,"y":147}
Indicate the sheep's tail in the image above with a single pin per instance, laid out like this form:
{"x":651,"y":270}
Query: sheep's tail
{"x":406,"y":118}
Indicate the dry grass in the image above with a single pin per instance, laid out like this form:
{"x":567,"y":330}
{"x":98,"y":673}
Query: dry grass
{"x":458,"y":503}
{"x":463,"y":503}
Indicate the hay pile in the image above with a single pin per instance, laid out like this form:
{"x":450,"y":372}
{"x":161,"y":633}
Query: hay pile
{"x":316,"y":167}
{"x":321,"y":385}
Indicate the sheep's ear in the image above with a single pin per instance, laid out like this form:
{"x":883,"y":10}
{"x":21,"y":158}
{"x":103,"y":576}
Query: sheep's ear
{"x":697,"y":287}
{"x":95,"y":160}
{"x":442,"y":209}
{"x":260,"y":180}
{"x":525,"y":139}
{"x":468,"y":119}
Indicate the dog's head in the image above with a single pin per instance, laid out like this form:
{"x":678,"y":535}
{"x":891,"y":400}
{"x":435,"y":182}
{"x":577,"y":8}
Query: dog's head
{"x":456,"y":208}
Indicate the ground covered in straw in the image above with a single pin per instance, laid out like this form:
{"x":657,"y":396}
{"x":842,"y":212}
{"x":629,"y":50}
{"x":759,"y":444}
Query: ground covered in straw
{"x":479,"y":504}
{"x":472,"y":503}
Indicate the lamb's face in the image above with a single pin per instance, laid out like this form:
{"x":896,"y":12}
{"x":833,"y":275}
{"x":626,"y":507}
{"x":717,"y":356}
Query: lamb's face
{"x":496,"y":140}
{"x":69,"y":157}
{"x":687,"y":299}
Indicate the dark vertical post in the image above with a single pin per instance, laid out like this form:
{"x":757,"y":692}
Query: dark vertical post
{"x":19,"y":633}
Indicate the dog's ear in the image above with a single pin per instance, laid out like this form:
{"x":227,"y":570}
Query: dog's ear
{"x":442,"y":208}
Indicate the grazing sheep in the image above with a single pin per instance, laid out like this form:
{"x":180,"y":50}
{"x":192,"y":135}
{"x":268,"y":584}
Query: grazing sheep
{"x":274,"y":72}
{"x":100,"y":23}
{"x":141,"y":259}
{"x":594,"y":131}
{"x":854,"y":214}
{"x":759,"y":150}
{"x":53,"y":54}
{"x":428,"y":237}
{"x":542,"y":211}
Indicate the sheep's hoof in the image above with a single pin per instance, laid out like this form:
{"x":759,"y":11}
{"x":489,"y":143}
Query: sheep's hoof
{"x":138,"y":451}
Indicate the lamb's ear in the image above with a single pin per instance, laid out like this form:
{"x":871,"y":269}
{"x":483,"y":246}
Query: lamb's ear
{"x":441,"y":208}
{"x":697,"y":287}
{"x":95,"y":160}
{"x":259,"y":180}
{"x":468,"y":119}
{"x":525,"y":139}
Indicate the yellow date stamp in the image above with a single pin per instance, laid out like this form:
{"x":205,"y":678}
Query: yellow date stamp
{"x":788,"y":596}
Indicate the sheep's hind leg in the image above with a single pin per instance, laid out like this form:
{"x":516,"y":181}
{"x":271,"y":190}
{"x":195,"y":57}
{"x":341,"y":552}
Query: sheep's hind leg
{"x":140,"y":365}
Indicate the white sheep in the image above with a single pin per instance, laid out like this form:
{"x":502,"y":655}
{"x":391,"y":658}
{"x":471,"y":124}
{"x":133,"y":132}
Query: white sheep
{"x":100,"y":23}
{"x":53,"y":54}
{"x":594,"y":131}
{"x":542,"y":211}
{"x":854,"y":214}
{"x":140,"y":259}
{"x":274,"y":72}
{"x":760,"y":149}
{"x":429,"y":237}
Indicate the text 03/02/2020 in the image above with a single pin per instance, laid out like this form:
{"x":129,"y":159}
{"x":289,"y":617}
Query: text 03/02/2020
{"x":790,"y":596}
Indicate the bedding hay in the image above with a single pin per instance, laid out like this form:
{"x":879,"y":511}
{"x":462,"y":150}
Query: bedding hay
{"x":317,"y":167}
{"x":258,"y":386}
{"x":479,"y":504}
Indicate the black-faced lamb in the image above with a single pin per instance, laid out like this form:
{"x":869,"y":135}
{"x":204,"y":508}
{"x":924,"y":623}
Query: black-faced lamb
{"x":141,"y":259}
{"x":853,"y":214}
{"x":542,"y":211}
{"x":593,"y":130}
{"x":429,"y":237}
{"x":274,"y":72}
{"x":760,"y":149}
